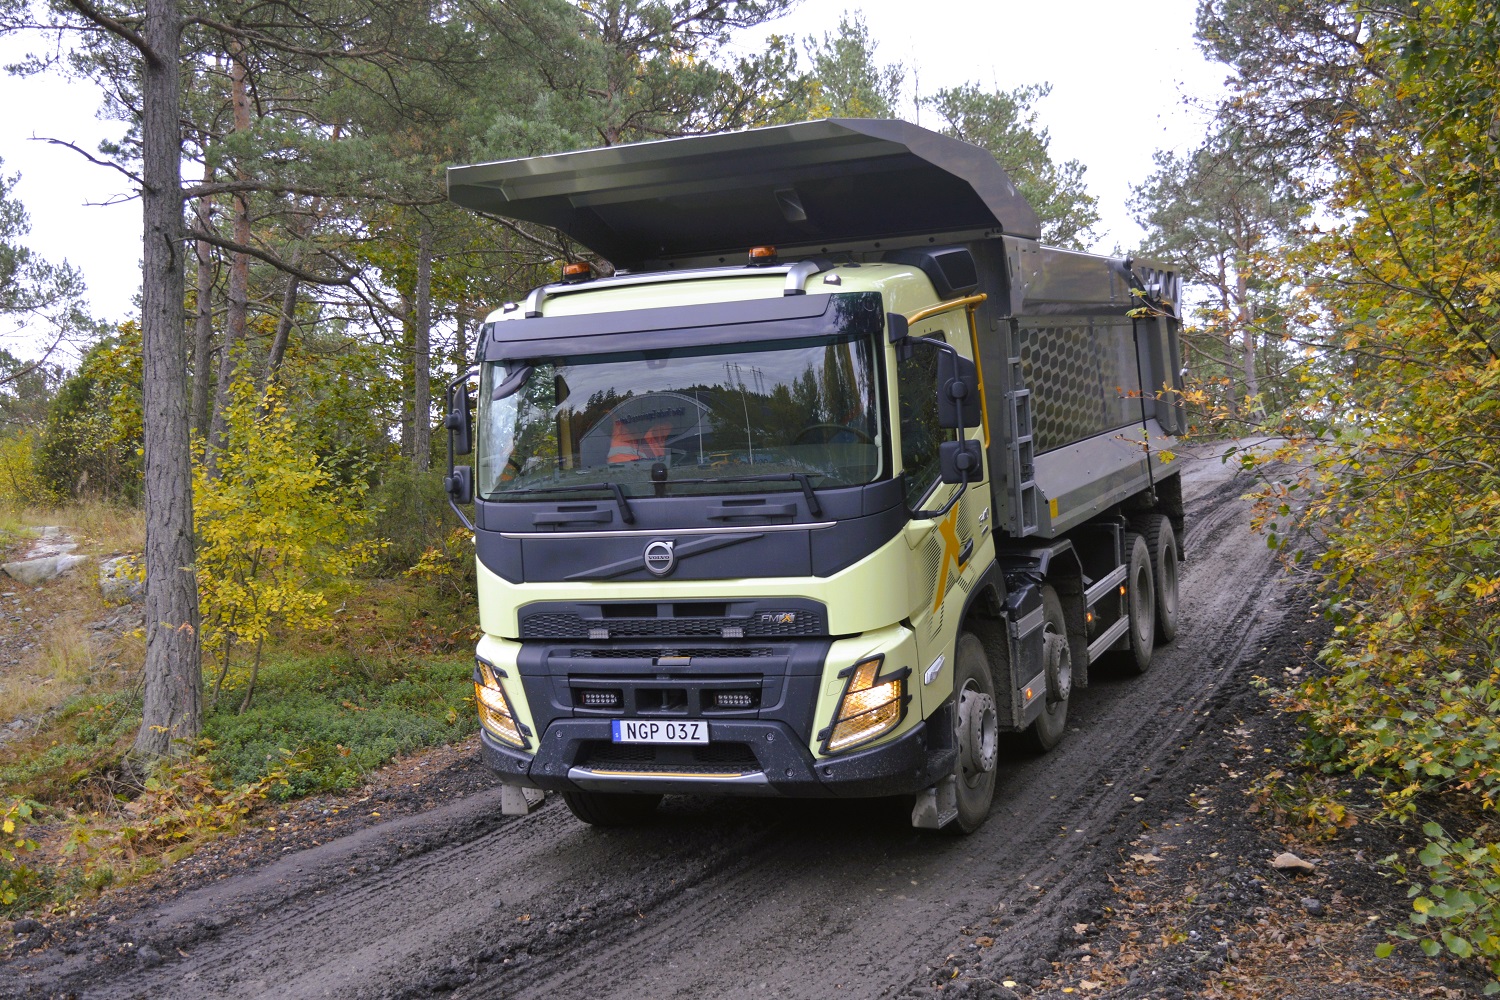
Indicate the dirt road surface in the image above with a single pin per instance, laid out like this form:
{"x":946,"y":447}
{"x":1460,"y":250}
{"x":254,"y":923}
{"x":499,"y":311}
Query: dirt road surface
{"x":721,"y":899}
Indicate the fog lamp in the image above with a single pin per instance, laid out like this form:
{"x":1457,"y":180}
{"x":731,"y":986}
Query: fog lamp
{"x":494,"y":710}
{"x":871,"y":704}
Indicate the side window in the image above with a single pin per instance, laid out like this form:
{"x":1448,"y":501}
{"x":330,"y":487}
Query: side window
{"x":916,"y":383}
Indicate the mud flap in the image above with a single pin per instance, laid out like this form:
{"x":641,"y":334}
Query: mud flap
{"x":937,"y":806}
{"x":518,"y":801}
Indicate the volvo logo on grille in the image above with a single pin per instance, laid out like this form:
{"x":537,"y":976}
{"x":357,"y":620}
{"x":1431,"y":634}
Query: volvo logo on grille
{"x":660,"y":559}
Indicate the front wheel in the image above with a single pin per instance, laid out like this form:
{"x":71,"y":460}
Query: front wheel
{"x":611,"y":808}
{"x":976,"y":725}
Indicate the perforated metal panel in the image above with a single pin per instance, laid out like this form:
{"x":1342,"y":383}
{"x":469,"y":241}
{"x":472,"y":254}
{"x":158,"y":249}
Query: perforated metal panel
{"x":1083,"y":380}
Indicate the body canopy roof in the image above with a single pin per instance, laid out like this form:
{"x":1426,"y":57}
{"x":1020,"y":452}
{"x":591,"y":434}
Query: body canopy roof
{"x":838,"y":180}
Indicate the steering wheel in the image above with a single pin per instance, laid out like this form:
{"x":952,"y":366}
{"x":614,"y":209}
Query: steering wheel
{"x":828,"y":432}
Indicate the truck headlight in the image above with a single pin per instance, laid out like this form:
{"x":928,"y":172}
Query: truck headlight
{"x":494,"y":710}
{"x":871,"y":704}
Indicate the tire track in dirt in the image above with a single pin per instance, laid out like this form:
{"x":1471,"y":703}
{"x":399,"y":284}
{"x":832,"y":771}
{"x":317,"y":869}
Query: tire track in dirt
{"x":778,"y":924}
{"x":378,"y":908}
{"x":727,"y":898}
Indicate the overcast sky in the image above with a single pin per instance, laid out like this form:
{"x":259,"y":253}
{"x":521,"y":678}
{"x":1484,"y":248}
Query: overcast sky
{"x":1125,"y":82}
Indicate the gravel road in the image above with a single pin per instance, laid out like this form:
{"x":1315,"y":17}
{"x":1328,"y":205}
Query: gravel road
{"x":722,"y":899}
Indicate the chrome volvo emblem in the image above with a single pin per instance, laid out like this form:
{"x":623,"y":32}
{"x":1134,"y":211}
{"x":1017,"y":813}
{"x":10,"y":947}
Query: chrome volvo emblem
{"x":660,"y":558}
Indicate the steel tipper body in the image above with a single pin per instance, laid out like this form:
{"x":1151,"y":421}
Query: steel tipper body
{"x":819,"y":524}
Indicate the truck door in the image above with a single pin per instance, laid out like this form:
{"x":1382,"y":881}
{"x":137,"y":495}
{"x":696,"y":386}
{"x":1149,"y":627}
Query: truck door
{"x":945,"y":551}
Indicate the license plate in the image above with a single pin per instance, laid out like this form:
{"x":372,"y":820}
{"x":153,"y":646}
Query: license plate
{"x":658,"y":731}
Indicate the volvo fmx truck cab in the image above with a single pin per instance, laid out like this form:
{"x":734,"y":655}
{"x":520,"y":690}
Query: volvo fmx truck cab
{"x":837,"y":478}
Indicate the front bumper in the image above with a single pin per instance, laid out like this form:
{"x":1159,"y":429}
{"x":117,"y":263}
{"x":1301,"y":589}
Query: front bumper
{"x":763,"y":758}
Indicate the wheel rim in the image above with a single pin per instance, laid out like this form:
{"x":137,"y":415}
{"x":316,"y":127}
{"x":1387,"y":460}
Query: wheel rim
{"x":1168,"y":596}
{"x":1142,"y":602}
{"x":1059,"y":663}
{"x":978,"y":734}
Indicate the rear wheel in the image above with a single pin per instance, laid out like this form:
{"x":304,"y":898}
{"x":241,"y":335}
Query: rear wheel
{"x":1140,"y":604}
{"x":1161,"y":542}
{"x":611,"y":808}
{"x":976,"y":724}
{"x":1057,"y":664}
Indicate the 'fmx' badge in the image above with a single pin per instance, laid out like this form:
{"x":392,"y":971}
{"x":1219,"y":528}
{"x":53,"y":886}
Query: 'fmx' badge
{"x":778,"y":618}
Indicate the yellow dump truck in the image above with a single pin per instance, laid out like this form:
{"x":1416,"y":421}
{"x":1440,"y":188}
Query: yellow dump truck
{"x":836,"y":478}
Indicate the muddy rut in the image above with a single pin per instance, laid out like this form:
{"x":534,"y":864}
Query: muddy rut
{"x":726,"y":899}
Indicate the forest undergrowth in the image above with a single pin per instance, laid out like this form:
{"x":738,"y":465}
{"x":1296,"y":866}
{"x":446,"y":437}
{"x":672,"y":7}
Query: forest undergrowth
{"x":389,"y":675}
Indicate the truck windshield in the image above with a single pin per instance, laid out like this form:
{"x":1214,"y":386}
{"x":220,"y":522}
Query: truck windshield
{"x":684,"y":420}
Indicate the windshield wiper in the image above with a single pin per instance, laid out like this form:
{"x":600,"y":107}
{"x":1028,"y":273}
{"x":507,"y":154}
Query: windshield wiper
{"x":800,"y":478}
{"x":626,"y":514}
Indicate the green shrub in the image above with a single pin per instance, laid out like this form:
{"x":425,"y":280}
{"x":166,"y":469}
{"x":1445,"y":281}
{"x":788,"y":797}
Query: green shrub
{"x":345,"y":718}
{"x":18,"y":880}
{"x":20,"y":483}
{"x":412,"y":513}
{"x":90,"y":444}
{"x":88,"y":729}
{"x":1459,"y":909}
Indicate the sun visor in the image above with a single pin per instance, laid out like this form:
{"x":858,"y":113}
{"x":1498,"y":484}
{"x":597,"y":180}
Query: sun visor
{"x":841,"y":180}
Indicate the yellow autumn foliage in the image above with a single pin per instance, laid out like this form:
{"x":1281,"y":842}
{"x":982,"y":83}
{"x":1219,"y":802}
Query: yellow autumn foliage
{"x":276,"y":531}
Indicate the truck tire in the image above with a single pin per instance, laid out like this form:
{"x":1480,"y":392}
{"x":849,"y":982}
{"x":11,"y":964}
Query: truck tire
{"x":976,"y":725}
{"x":1140,"y":605}
{"x":1161,"y":541}
{"x":611,"y":808}
{"x":1057,"y":663}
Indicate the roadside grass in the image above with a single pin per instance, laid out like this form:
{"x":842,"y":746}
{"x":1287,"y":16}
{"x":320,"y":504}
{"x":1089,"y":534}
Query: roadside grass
{"x":104,"y":529}
{"x":99,"y":527}
{"x":60,"y":654}
{"x":390,"y":675}
{"x":12,"y":530}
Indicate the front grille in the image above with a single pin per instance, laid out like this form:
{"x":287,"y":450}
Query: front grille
{"x":621,"y":753}
{"x":649,"y":695}
{"x":726,"y":753}
{"x":617,"y":653}
{"x":711,"y":758}
{"x":571,"y":626}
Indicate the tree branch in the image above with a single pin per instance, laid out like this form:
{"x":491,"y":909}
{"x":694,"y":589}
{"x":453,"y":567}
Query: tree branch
{"x":93,"y":14}
{"x":136,"y":178}
{"x":282,"y":44}
{"x":214,"y":239}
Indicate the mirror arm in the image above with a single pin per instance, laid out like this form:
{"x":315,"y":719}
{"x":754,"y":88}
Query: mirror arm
{"x":931,"y":515}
